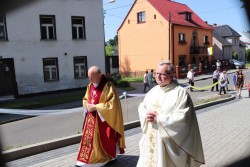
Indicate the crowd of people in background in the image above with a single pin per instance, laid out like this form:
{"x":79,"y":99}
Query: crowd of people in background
{"x":220,"y":80}
{"x":239,"y":81}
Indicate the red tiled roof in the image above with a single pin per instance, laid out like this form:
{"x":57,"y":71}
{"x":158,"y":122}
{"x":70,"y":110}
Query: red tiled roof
{"x":164,"y":7}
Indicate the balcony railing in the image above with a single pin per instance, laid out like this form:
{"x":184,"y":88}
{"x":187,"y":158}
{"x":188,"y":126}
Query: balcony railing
{"x":198,"y":50}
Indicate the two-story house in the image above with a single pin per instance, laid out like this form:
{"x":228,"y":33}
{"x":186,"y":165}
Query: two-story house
{"x":48,"y":45}
{"x":160,"y":30}
{"x":226,"y":42}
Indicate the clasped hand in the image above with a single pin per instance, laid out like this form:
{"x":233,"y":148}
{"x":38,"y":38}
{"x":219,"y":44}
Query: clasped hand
{"x":91,"y":107}
{"x":151,"y":116}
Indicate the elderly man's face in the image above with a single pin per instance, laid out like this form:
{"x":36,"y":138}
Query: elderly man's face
{"x":93,"y":77}
{"x":162,"y":77}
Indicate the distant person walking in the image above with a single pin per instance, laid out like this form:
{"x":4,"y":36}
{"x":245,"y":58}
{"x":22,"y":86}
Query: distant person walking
{"x":150,"y":79}
{"x":235,"y":79}
{"x":226,"y":78}
{"x":145,"y":81}
{"x":222,"y":82}
{"x":248,"y":87}
{"x":218,"y":64}
{"x":190,"y":77}
{"x":240,"y":82}
{"x":216,"y":75}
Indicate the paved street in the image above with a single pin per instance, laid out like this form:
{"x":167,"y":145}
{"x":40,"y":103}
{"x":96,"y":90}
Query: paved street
{"x":225,"y":132}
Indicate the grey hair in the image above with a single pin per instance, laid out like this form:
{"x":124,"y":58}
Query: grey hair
{"x":95,"y":69}
{"x":170,"y":66}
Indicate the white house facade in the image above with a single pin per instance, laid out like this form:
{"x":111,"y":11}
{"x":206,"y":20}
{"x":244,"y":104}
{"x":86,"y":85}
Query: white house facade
{"x":48,"y":45}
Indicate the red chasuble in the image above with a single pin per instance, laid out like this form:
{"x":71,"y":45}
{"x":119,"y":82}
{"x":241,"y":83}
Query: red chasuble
{"x":107,"y":136}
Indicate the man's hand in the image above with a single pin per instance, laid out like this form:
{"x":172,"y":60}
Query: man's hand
{"x":91,"y":107}
{"x":151,"y":116}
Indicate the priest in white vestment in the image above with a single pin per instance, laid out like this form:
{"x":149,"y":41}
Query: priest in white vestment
{"x":171,"y":136}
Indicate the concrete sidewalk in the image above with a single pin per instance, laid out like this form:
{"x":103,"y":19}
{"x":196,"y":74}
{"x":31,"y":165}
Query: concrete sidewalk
{"x":225,"y":132}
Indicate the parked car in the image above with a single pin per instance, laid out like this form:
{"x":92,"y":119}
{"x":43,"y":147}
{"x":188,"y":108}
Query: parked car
{"x":237,"y":64}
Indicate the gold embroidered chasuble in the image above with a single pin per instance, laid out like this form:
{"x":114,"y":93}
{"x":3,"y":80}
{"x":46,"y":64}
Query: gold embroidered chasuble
{"x":175,"y":139}
{"x":100,"y":137}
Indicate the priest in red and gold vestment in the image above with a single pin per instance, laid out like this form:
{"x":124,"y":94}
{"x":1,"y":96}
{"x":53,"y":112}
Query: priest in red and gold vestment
{"x":103,"y":129}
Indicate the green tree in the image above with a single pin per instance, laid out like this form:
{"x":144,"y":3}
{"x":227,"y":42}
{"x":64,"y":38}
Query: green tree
{"x":109,"y":50}
{"x":111,"y":46}
{"x":244,"y":2}
{"x":235,"y":55}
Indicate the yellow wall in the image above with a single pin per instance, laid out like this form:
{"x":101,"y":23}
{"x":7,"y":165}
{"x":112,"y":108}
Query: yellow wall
{"x":184,"y":49}
{"x":142,"y":46}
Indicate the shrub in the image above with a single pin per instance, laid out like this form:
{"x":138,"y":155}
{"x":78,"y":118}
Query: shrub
{"x":121,"y":83}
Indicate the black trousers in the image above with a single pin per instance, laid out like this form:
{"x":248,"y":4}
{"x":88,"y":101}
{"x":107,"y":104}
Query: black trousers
{"x":191,"y":83}
{"x":145,"y":86}
{"x":222,"y":88}
{"x":217,"y":87}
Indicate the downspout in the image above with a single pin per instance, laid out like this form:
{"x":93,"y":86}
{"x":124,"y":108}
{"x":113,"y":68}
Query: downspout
{"x":169,"y":37}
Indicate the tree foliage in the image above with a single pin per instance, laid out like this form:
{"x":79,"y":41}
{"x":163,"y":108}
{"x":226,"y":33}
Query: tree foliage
{"x":109,"y":50}
{"x":235,"y":55}
{"x":111,"y":46}
{"x":244,"y":3}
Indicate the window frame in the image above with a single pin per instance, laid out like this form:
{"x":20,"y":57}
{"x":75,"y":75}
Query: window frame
{"x":4,"y":27}
{"x":141,"y":17}
{"x":205,"y":39}
{"x":50,"y":70}
{"x":78,"y":27}
{"x":188,"y":16}
{"x":182,"y":38}
{"x":79,"y":76}
{"x":47,"y":26}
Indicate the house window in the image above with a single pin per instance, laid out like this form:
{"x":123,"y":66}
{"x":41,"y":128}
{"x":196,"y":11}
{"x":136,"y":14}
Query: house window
{"x":78,"y":27}
{"x":182,"y":38}
{"x":188,"y":16}
{"x":154,"y":16}
{"x":48,"y":27}
{"x":205,"y":40}
{"x":3,"y":32}
{"x":236,"y":42}
{"x":141,"y":17}
{"x":80,"y":65}
{"x":50,"y":69}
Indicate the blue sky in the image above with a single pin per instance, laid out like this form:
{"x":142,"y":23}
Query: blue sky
{"x":220,"y":12}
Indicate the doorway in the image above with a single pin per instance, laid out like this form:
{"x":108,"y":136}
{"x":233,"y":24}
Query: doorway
{"x":7,"y":77}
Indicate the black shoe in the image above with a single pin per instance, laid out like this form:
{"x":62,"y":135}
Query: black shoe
{"x":77,"y":166}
